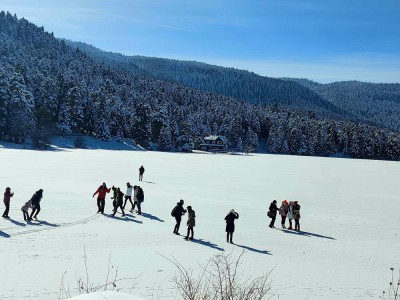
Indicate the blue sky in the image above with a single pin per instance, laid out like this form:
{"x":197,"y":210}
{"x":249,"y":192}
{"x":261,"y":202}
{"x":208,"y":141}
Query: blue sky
{"x":322,"y":40}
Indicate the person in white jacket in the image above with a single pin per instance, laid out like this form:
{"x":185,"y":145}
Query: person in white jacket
{"x":128,"y":195}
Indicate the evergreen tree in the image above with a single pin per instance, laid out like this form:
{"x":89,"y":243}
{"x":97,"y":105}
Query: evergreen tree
{"x":251,"y":142}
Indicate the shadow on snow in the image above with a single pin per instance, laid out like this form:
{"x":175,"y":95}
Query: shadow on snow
{"x":128,"y":218}
{"x":16,"y":222}
{"x":309,"y":234}
{"x":4,"y":234}
{"x":42,"y":223}
{"x":254,"y":249}
{"x":151,"y":217}
{"x":208,"y":244}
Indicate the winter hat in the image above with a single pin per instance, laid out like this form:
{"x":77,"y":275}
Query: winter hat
{"x":232,"y":210}
{"x":8,"y":188}
{"x":284,"y":201}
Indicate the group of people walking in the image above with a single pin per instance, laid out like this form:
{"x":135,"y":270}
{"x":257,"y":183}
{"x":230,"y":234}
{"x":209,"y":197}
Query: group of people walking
{"x":287,"y":210}
{"x":118,"y":198}
{"x":135,"y":196}
{"x":33,"y":203}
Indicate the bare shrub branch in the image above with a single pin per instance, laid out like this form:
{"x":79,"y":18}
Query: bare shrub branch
{"x":86,"y":286}
{"x":220,"y":278}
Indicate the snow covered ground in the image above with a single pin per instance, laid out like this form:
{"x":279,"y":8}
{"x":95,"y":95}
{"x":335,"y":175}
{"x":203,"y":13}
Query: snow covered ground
{"x":350,"y":221}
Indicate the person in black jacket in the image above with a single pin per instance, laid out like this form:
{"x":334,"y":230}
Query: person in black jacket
{"x":230,"y":224}
{"x":119,"y":201}
{"x":139,"y":199}
{"x":296,"y":215}
{"x":272,"y":213}
{"x":141,"y":171}
{"x":178,"y":212}
{"x":35,"y":201}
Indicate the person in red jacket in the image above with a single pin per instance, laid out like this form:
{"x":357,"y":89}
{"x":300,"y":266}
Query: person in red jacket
{"x":7,"y":196}
{"x":101,"y":198}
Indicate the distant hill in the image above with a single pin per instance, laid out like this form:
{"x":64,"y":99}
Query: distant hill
{"x":378,"y":103}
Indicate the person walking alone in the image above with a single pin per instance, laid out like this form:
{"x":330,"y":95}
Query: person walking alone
{"x":7,"y":198}
{"x":190,"y":223}
{"x":101,"y":198}
{"x":272,"y":213}
{"x":141,"y":171}
{"x":177,"y":213}
{"x":230,"y":225}
{"x":35,"y":201}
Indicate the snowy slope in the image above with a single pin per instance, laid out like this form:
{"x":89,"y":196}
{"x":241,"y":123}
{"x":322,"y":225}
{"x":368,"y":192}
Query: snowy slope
{"x":349,"y":217}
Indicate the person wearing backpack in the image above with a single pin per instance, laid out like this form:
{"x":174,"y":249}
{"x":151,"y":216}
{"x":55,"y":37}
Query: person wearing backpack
{"x":283,"y":211}
{"x":140,"y":199}
{"x":190,"y":223}
{"x":272,"y":213}
{"x":177,"y":213}
{"x":296,"y":215}
{"x":230,"y":225}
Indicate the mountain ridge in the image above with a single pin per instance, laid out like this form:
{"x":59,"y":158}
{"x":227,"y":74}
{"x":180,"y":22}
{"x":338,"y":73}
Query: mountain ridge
{"x":323,"y":98}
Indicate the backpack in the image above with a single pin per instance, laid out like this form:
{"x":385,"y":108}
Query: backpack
{"x":173,"y":212}
{"x":140,"y":195}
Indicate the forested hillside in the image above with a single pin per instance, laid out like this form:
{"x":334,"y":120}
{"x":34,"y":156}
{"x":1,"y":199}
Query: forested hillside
{"x":48,"y":87}
{"x":378,"y":103}
{"x":229,"y":82}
